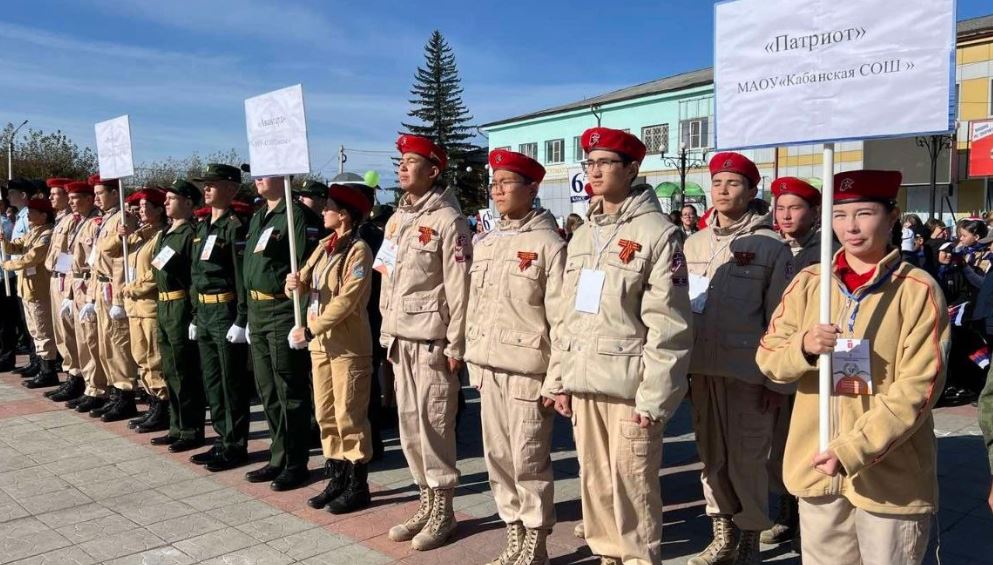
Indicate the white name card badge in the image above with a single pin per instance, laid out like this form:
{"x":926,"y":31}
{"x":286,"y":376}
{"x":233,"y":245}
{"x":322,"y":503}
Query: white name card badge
{"x":698,"y":292}
{"x":851,"y":368}
{"x":63,"y":264}
{"x":263,"y":241}
{"x":208,"y":247}
{"x":589,"y":291}
{"x":91,"y":259}
{"x":160,"y":260}
{"x":386,"y":258}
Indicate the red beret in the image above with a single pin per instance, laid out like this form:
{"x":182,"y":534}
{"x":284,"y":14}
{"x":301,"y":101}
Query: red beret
{"x":424,"y":147}
{"x":109,"y":183}
{"x":344,"y":195}
{"x":40,"y":204}
{"x":202,"y":212}
{"x":866,"y":185}
{"x":516,"y":163}
{"x":614,"y":140}
{"x":79,"y":187}
{"x":730,"y":162}
{"x":57,"y":182}
{"x":154,"y":195}
{"x":796,"y":187}
{"x":242,"y":208}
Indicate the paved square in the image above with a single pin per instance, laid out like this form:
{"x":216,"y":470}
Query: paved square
{"x":74,"y":490}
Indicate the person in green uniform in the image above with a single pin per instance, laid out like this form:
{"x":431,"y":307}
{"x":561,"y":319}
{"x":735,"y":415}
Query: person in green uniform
{"x":312,"y":196}
{"x":220,"y":319}
{"x":171,"y":261}
{"x":281,"y":373}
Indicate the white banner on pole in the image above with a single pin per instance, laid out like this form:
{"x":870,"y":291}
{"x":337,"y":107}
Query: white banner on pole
{"x":791,"y":72}
{"x":114,"y":148}
{"x":277,"y":133}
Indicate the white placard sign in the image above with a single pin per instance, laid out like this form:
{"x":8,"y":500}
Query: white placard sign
{"x":789,"y":71}
{"x":486,"y":219}
{"x":114,"y":148}
{"x":277,"y":133}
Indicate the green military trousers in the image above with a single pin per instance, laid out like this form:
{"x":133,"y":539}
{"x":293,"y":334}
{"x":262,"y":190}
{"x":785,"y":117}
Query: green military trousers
{"x":229,"y":391}
{"x":283,"y":377}
{"x":181,"y":368}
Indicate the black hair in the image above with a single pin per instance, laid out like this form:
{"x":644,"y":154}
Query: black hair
{"x":353,"y":236}
{"x":977,"y":228}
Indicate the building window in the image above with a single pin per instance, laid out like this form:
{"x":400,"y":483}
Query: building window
{"x":656,"y":138}
{"x":529,"y":149}
{"x":694,"y":133}
{"x":577,"y":152}
{"x":505,"y":148}
{"x":555,"y":151}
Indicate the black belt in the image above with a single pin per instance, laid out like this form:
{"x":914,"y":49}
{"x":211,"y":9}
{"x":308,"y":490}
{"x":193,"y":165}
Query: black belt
{"x":103,"y":279}
{"x":80,"y":275}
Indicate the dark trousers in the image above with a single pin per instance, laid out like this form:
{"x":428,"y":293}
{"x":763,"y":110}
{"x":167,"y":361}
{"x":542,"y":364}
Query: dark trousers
{"x":224,"y":378}
{"x":11,"y":307}
{"x":283,"y":378}
{"x":181,"y":369}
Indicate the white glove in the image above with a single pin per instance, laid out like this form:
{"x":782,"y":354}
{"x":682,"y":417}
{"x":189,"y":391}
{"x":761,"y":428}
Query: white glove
{"x":118,"y":313}
{"x":88,"y":312}
{"x":192,"y":332}
{"x":65,"y":310}
{"x":248,"y":334}
{"x":236,"y":334}
{"x":296,"y":344}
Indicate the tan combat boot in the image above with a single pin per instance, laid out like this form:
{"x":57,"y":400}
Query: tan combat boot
{"x":407,"y":530}
{"x":787,"y":525}
{"x":749,"y":551}
{"x":515,"y":537}
{"x":580,"y":530}
{"x":722,"y":550}
{"x":533,"y":550}
{"x":441,"y":522}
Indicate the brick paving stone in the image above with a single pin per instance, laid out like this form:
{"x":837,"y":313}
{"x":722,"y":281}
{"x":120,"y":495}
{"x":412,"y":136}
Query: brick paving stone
{"x":309,"y":543}
{"x":254,"y":555}
{"x":185,"y":527}
{"x":121,"y":544}
{"x":274,"y":527}
{"x":64,"y":556}
{"x":215,"y":543}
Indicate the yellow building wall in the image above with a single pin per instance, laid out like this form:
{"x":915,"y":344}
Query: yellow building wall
{"x":974,"y":99}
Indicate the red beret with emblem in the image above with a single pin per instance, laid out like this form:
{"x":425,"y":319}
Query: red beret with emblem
{"x":424,"y":147}
{"x":109,"y":183}
{"x":40,"y":204}
{"x":156,"y":196}
{"x":796,"y":187}
{"x":57,"y":182}
{"x":866,"y":185}
{"x":615,"y":140}
{"x":502,"y":159}
{"x":79,"y":187}
{"x":345,"y":195}
{"x":731,"y":162}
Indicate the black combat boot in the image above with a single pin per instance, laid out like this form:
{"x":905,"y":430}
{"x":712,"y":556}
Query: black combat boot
{"x":356,"y":494}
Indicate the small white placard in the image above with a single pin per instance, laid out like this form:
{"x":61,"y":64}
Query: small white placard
{"x":114,"y":148}
{"x":698,"y":292}
{"x":386,"y":258}
{"x":63,"y":264}
{"x":486,"y":219}
{"x":263,"y":241}
{"x":165,"y":254}
{"x":277,"y":133}
{"x":208,"y":247}
{"x":589,"y":291}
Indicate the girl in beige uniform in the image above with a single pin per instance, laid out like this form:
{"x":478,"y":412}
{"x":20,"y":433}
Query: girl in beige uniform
{"x":140,"y":297}
{"x":515,"y":289}
{"x":869,"y":497}
{"x":337,"y":278}
{"x":32,"y":282}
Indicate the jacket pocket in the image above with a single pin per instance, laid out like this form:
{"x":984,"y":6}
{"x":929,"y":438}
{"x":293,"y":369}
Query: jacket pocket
{"x":523,"y":286}
{"x":742,"y":340}
{"x":619,"y":346}
{"x":521,"y":339}
{"x":745,"y":285}
{"x":623,"y":278}
{"x":424,"y":255}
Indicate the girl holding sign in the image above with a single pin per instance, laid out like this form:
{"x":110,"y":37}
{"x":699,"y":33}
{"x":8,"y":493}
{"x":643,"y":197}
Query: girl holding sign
{"x":869,"y":497}
{"x":338,"y":279}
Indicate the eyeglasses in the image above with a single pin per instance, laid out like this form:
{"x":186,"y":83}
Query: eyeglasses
{"x":602,"y":164}
{"x":503,"y":185}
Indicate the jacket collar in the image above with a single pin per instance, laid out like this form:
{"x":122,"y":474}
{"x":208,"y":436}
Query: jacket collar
{"x":886,"y":267}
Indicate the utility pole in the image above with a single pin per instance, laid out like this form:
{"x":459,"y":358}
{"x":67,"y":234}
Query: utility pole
{"x":341,"y":159}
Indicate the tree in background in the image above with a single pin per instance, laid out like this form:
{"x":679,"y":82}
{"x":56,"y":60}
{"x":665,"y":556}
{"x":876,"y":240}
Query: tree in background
{"x":437,"y":105}
{"x":44,"y":155}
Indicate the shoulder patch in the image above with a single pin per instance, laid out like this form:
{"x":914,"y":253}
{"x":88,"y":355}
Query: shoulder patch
{"x":358,"y":271}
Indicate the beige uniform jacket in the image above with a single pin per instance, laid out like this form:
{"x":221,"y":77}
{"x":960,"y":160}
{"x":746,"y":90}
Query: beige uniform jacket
{"x":65,"y":225}
{"x":515,"y":295}
{"x":746,"y":264}
{"x":885,"y":441}
{"x":32,"y":281}
{"x":337,"y":310}
{"x":142,"y":292}
{"x":424,"y":298}
{"x":109,"y":257}
{"x":81,"y":245}
{"x":637,"y":346}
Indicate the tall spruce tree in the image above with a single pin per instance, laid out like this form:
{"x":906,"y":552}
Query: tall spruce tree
{"x":437,"y":104}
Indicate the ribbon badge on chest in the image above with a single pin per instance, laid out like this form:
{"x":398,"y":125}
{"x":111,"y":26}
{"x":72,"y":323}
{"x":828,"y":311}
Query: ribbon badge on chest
{"x":743,"y":258}
{"x":426,"y":233}
{"x":628,"y":249}
{"x":526,"y":257}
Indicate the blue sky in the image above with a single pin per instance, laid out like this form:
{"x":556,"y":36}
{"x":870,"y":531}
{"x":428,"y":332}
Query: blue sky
{"x":182,"y":68}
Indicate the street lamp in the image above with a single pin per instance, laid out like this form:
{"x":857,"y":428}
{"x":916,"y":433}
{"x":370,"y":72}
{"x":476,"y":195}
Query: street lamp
{"x":682,"y":162}
{"x":934,"y":145}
